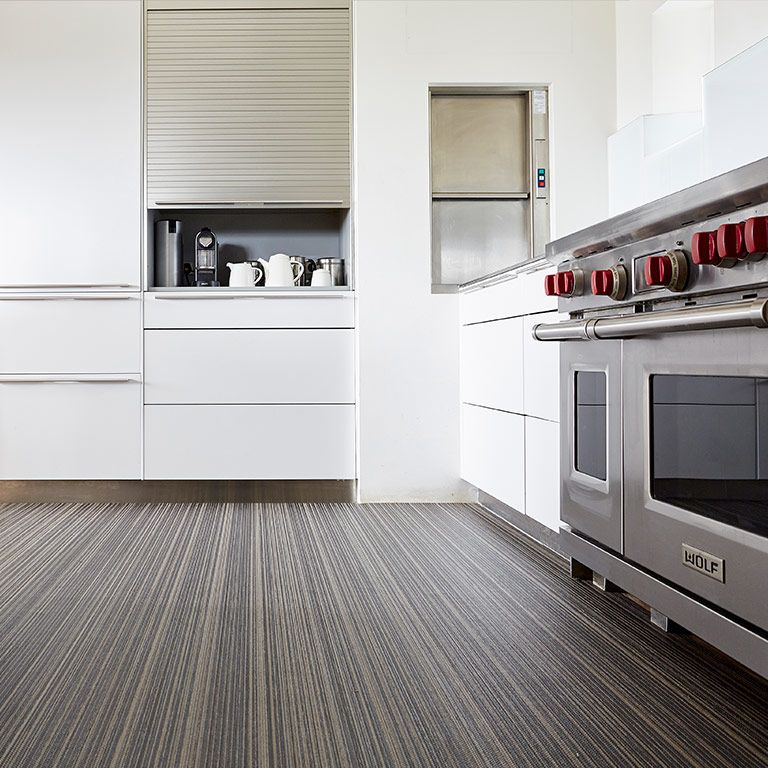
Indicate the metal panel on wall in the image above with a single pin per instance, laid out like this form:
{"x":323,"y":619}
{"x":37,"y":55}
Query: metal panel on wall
{"x":475,"y":238}
{"x":248,"y":106}
{"x":479,"y":144}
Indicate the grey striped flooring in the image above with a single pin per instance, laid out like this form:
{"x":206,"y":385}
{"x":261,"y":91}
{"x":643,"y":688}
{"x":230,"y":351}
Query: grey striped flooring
{"x":338,"y":636}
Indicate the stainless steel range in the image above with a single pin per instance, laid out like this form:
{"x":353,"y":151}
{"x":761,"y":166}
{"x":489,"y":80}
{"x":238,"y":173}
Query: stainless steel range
{"x":664,"y":406}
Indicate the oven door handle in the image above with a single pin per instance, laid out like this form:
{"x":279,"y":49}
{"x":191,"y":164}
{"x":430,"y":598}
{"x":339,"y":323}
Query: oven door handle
{"x":742,"y":314}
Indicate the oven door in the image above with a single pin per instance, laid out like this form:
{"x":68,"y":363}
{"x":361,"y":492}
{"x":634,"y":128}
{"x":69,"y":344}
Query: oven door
{"x":696,"y":463}
{"x":590,"y":440}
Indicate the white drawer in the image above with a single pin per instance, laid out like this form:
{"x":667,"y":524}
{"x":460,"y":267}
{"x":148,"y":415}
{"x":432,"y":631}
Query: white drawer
{"x":492,"y":364}
{"x":249,"y":310}
{"x":249,"y":366}
{"x":493,"y":453}
{"x":542,"y":471}
{"x":249,"y":442}
{"x":70,"y":429}
{"x":518,"y":296}
{"x":70,"y":333}
{"x":542,"y":369}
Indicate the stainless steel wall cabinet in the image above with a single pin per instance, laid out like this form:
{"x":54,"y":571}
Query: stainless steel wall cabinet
{"x":248,"y":106}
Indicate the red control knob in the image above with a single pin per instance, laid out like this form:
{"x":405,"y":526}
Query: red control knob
{"x":602,"y":282}
{"x":565,"y":283}
{"x":704,"y":248}
{"x":550,"y":285}
{"x":658,"y":270}
{"x":756,"y":235}
{"x":730,"y":241}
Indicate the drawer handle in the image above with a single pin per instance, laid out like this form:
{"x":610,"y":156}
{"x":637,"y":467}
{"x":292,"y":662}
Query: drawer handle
{"x":58,"y":286}
{"x":84,"y":297}
{"x":260,"y":297}
{"x":69,"y":380}
{"x":247,"y":203}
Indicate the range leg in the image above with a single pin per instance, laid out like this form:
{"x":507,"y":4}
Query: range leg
{"x":580,"y":571}
{"x":664,"y":623}
{"x":603,"y":584}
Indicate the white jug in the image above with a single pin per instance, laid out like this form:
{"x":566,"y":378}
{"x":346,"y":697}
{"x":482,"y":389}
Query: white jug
{"x":279,"y":271}
{"x":243,"y":275}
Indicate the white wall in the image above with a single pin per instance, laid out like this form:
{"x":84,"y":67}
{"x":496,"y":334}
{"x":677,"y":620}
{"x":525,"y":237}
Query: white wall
{"x":408,"y":338}
{"x":683,"y":51}
{"x":731,"y":90}
{"x":663,"y":49}
{"x":738,"y":25}
{"x":634,"y":59}
{"x":702,"y":62}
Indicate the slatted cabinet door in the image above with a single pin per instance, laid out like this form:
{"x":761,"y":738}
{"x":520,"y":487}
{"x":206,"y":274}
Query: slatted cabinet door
{"x":248,"y":106}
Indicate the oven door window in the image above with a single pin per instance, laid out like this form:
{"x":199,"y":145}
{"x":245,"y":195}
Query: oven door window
{"x":591,"y":423}
{"x":709,"y":447}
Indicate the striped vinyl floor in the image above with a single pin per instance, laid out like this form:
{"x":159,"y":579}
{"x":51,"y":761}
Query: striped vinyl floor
{"x":338,"y":636}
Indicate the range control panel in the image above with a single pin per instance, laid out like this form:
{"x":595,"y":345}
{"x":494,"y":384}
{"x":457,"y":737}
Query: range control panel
{"x":720,"y":255}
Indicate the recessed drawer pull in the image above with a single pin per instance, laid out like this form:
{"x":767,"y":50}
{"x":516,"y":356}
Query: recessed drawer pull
{"x":68,"y":380}
{"x":57,"y":286}
{"x":209,"y":297}
{"x":62,"y":297}
{"x":246,"y":203}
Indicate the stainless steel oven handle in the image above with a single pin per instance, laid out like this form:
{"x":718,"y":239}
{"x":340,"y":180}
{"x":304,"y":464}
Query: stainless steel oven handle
{"x":743,"y":314}
{"x":571,"y":330}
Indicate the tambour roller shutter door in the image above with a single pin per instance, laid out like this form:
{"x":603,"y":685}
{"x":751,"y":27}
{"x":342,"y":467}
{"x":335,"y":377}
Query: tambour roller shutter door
{"x":248,"y":106}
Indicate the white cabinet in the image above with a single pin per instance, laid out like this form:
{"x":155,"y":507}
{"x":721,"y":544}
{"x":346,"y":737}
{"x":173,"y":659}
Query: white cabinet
{"x":511,"y":298}
{"x":492,"y":364}
{"x":71,"y":148}
{"x":250,"y":366}
{"x":542,"y":471}
{"x":493,"y":453}
{"x":254,"y":442}
{"x":70,"y":333}
{"x":249,"y":310}
{"x":70,"y":428}
{"x":249,"y":386}
{"x":510,"y":447}
{"x":541,"y":363}
{"x":70,"y":387}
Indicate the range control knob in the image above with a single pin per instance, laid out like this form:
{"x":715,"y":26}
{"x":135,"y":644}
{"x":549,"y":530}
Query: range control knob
{"x":704,"y":249}
{"x":610,"y":282}
{"x":668,"y":270}
{"x":658,"y":270}
{"x":565,"y":283}
{"x":731,"y":245}
{"x":602,"y":282}
{"x":756,"y":237}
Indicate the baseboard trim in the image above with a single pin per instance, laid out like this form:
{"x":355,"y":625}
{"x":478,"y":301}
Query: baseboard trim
{"x":178,"y":490}
{"x":531,"y":528}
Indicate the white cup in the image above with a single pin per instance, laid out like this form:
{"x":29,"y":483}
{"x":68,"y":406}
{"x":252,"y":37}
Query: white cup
{"x":321,"y":278}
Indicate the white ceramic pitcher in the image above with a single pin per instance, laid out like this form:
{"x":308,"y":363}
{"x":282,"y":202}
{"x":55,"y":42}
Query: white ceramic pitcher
{"x":279,"y":272}
{"x":243,"y":275}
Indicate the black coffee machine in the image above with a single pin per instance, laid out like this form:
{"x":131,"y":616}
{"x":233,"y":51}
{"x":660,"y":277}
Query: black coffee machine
{"x":206,"y":258}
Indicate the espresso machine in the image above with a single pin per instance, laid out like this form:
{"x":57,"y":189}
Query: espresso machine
{"x":206,"y":258}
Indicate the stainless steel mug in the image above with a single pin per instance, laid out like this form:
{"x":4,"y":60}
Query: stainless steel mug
{"x":336,"y":268}
{"x":309,"y":266}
